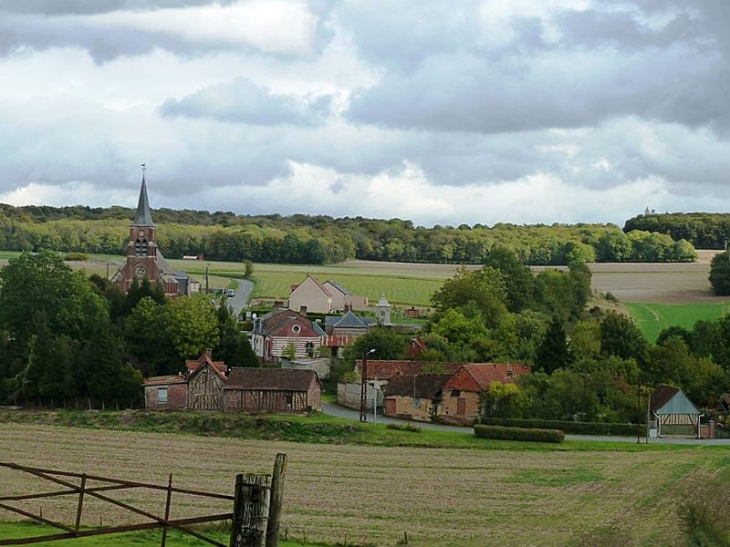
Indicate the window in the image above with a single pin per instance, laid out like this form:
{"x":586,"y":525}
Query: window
{"x":296,"y":329}
{"x":416,"y":402}
{"x":456,"y":393}
{"x":310,"y":349}
{"x":161,"y":394}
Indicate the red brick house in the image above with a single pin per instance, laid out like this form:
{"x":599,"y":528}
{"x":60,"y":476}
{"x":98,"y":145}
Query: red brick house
{"x":272,"y":390}
{"x":277,"y":330}
{"x":166,"y":392}
{"x":415,"y":397}
{"x":462,"y":393}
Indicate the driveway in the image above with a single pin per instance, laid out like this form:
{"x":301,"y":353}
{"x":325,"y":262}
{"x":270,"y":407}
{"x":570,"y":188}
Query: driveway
{"x":242,"y":296}
{"x":354,"y":415}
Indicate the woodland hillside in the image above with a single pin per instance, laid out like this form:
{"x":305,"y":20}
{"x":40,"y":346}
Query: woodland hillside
{"x":303,"y":239}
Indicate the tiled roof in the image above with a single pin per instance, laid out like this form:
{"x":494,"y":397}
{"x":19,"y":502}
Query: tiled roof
{"x":385,"y":370}
{"x":274,"y":379}
{"x":193,"y":364}
{"x":422,"y":385}
{"x":165,"y":380}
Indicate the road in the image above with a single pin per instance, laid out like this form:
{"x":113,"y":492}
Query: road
{"x":354,"y":415}
{"x":242,"y":296}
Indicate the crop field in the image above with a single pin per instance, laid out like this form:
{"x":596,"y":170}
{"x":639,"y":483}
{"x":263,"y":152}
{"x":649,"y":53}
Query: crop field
{"x":374,"y":494}
{"x":653,"y":318}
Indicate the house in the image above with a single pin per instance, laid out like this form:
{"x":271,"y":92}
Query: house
{"x":144,"y":259}
{"x":416,"y":346}
{"x":415,"y":397}
{"x":272,"y":390}
{"x":277,"y":331}
{"x":311,"y":296}
{"x":462,"y":393}
{"x":166,"y":392}
{"x":672,"y":413}
{"x":343,"y":330}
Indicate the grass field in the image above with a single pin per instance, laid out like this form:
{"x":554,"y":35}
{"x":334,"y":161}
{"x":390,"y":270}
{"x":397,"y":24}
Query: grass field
{"x":456,"y":497}
{"x":653,"y":318}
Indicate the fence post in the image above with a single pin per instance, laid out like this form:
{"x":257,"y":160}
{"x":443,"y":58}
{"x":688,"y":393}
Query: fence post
{"x":251,"y":510}
{"x":277,"y":496}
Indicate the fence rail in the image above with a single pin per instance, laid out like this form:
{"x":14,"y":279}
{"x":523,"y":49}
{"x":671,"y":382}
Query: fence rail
{"x":85,"y":486}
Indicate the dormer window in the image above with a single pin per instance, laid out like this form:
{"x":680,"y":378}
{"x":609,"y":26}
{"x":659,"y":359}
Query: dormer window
{"x":296,"y":329}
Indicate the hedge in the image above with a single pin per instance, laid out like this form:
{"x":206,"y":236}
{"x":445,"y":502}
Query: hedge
{"x":580,"y":428}
{"x":519,"y":434}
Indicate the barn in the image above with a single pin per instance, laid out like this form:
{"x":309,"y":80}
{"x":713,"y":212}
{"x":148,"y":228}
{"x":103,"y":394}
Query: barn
{"x":205,"y":384}
{"x":272,"y":390}
{"x":672,"y":413}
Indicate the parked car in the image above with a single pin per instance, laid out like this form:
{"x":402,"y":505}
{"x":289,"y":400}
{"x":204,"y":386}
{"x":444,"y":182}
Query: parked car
{"x":231,"y":293}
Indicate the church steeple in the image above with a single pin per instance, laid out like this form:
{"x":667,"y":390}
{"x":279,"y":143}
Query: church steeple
{"x":143,"y":216}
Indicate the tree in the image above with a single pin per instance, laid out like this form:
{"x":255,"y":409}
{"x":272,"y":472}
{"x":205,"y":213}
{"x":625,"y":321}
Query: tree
{"x":518,"y":278}
{"x":553,"y":353}
{"x":192,"y":325}
{"x":720,"y":274}
{"x":621,"y":337}
{"x":233,"y":347}
{"x":483,"y":289}
{"x":504,"y":401}
{"x":148,"y":342}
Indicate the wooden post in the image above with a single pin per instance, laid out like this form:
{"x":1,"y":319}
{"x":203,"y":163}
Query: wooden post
{"x":251,"y":510}
{"x":277,"y":496}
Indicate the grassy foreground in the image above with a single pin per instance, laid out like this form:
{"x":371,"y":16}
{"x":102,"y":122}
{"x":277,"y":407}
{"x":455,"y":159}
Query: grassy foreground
{"x":499,"y":496}
{"x":149,"y":538}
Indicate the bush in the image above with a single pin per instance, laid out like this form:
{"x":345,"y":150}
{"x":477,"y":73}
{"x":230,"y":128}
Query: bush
{"x":404,"y":427}
{"x":519,"y":434}
{"x":75,"y":257}
{"x":579,"y":428}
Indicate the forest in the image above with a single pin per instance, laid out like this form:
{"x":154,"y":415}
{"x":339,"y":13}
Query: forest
{"x":303,"y":239}
{"x":702,"y":230}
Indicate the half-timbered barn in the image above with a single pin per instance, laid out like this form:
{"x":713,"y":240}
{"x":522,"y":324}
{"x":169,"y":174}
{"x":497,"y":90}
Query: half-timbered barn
{"x":272,"y":390}
{"x":672,"y":413}
{"x":205,"y":385}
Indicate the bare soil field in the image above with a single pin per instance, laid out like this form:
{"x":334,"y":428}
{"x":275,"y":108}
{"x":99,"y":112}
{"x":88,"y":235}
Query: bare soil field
{"x":373,"y":495}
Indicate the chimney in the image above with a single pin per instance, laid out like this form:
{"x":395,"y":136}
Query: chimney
{"x":209,"y":353}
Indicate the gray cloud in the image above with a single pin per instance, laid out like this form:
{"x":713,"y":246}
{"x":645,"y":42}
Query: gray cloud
{"x":242,"y":101}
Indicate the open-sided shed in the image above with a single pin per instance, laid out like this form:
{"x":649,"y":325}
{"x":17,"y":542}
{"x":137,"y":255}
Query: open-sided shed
{"x":673,"y":413}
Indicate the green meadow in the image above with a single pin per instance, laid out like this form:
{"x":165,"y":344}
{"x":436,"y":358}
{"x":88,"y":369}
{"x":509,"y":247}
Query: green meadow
{"x":653,"y":318}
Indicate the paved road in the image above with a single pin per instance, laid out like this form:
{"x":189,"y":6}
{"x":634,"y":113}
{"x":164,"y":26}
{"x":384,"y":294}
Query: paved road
{"x":242,"y":296}
{"x":349,"y":414}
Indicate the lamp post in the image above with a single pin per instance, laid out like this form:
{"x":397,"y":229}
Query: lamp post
{"x":364,"y":386}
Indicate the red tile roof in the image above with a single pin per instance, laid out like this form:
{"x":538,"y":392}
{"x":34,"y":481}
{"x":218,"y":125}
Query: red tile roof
{"x":274,"y":379}
{"x":193,"y":364}
{"x":385,"y":370}
{"x":478,"y":376}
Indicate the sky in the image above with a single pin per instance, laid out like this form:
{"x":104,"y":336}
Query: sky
{"x":450,"y":113}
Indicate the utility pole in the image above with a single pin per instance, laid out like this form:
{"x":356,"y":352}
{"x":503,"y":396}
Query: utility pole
{"x":207,"y":287}
{"x":364,"y":386}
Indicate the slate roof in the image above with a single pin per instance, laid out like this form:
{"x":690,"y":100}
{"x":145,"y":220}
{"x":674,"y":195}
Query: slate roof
{"x":272,"y":379}
{"x":143,"y":216}
{"x":424,"y":386}
{"x":339,"y":287}
{"x":349,"y":321}
{"x":671,"y":400}
{"x":165,"y":380}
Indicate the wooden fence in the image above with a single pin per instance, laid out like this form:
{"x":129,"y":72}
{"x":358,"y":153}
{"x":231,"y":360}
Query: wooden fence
{"x":255,"y":517}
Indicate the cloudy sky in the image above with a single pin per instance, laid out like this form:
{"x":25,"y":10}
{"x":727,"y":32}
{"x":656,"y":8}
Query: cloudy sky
{"x":524,"y":111}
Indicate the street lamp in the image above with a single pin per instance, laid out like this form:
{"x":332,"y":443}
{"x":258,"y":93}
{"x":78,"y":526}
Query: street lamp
{"x":364,"y":386}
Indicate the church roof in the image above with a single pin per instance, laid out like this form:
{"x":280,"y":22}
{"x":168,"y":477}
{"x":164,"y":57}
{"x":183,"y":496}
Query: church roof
{"x":143,"y":216}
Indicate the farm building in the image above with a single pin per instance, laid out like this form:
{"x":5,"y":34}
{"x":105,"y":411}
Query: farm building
{"x":205,"y":384}
{"x":272,"y":390}
{"x":199,"y":387}
{"x":274,"y":332}
{"x":462,"y":393}
{"x":415,"y":397}
{"x":166,"y":392}
{"x":672,"y":413}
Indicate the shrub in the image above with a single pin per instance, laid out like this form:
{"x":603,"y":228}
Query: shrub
{"x":404,"y":427}
{"x":519,"y":434}
{"x":77,"y":257}
{"x":579,"y":428}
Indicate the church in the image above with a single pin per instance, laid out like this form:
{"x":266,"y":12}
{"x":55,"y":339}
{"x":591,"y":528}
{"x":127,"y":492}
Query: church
{"x":144,"y":258}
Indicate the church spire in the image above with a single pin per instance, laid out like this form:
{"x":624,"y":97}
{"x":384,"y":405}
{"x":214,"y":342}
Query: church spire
{"x":143,"y":216}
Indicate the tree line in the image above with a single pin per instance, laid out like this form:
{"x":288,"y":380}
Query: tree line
{"x":588,"y":362}
{"x":702,"y":230}
{"x":303,"y":239}
{"x":64,"y":336}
